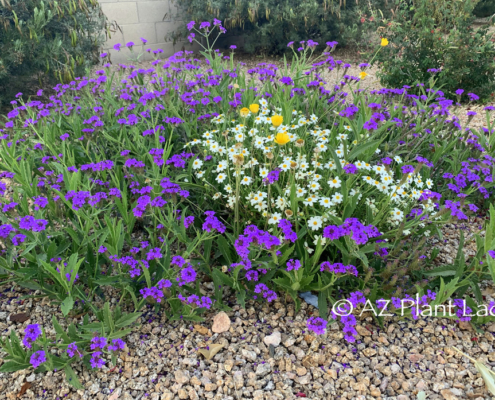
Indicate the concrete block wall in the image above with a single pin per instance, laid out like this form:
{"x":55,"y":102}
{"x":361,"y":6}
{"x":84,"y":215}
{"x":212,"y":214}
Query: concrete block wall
{"x":143,"y":19}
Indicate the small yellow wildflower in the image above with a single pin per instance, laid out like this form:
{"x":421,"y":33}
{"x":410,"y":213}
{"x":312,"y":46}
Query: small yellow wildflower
{"x":384,"y":42}
{"x":277,"y":120}
{"x":254,"y":108}
{"x":244,"y":112}
{"x":282,"y":138}
{"x":363,"y":75}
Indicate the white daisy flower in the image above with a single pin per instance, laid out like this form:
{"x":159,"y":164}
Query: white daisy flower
{"x":315,"y":223}
{"x":220,"y":178}
{"x":197,"y":163}
{"x":246,"y":180}
{"x":325,"y":202}
{"x":334,"y":182}
{"x":337,"y":198}
{"x":275,"y":218}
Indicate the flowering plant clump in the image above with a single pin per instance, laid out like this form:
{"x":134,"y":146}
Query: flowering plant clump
{"x":93,"y":344}
{"x":269,"y":180}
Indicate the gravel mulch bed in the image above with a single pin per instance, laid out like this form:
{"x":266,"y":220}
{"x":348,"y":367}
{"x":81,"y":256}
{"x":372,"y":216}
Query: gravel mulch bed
{"x":162,"y":361}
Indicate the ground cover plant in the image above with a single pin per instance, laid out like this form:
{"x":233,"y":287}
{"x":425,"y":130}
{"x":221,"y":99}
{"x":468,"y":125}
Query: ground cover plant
{"x":266,"y":181}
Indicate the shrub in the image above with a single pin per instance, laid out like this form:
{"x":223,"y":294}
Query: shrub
{"x":485,"y":8}
{"x":42,"y":40}
{"x":422,"y":49}
{"x":268,"y":26}
{"x":264,"y":181}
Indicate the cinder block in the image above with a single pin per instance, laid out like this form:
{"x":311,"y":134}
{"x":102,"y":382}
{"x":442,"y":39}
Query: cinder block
{"x":123,"y":13}
{"x":153,"y":11}
{"x":134,"y":32}
{"x":164,"y":30}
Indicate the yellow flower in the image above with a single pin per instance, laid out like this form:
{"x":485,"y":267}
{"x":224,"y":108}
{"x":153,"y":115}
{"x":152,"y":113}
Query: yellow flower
{"x":363,"y":75}
{"x":244,"y":112}
{"x":277,"y":120}
{"x":384,"y":42}
{"x":254,"y":108}
{"x":281,"y":138}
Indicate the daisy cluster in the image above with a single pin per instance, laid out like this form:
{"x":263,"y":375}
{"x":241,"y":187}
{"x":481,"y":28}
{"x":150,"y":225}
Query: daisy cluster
{"x":260,"y":162}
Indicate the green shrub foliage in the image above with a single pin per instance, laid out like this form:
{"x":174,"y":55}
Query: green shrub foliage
{"x":448,"y":50}
{"x":47,"y":41}
{"x":485,"y":8}
{"x":267,"y":26}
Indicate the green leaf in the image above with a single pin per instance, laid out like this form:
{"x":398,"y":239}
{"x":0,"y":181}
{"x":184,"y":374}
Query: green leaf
{"x":12,"y":366}
{"x":227,"y":280}
{"x":323,"y":304}
{"x":107,"y":317}
{"x":72,"y":378}
{"x":126,"y":320}
{"x":224,"y":248}
{"x":444,"y":270}
{"x":67,"y":305}
{"x":361,"y":148}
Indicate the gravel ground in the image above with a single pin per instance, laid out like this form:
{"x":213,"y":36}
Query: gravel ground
{"x":162,"y":359}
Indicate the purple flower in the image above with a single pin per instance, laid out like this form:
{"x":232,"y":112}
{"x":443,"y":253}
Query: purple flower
{"x":117,"y":46}
{"x":272,"y":177}
{"x":188,"y":221}
{"x":332,"y":232}
{"x":154,"y":254}
{"x":317,"y":325}
{"x":293,"y":265}
{"x":37,"y":358}
{"x":72,"y":350}
{"x":213,"y":223}
{"x":32,"y":332}
{"x":117,"y":344}
{"x":491,"y":253}
{"x":473,"y":97}
{"x":18,"y":239}
{"x":96,"y":361}
{"x":98,"y":343}
{"x":350,"y":169}
{"x":187,"y":275}
{"x":152,"y":293}
{"x":190,"y":25}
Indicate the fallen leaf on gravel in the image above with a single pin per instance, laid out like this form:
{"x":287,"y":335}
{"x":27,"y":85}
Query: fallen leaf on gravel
{"x":300,"y":394}
{"x":210,"y":352}
{"x":24,"y":389}
{"x":487,"y":376}
{"x":21,"y":317}
{"x":201,"y":329}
